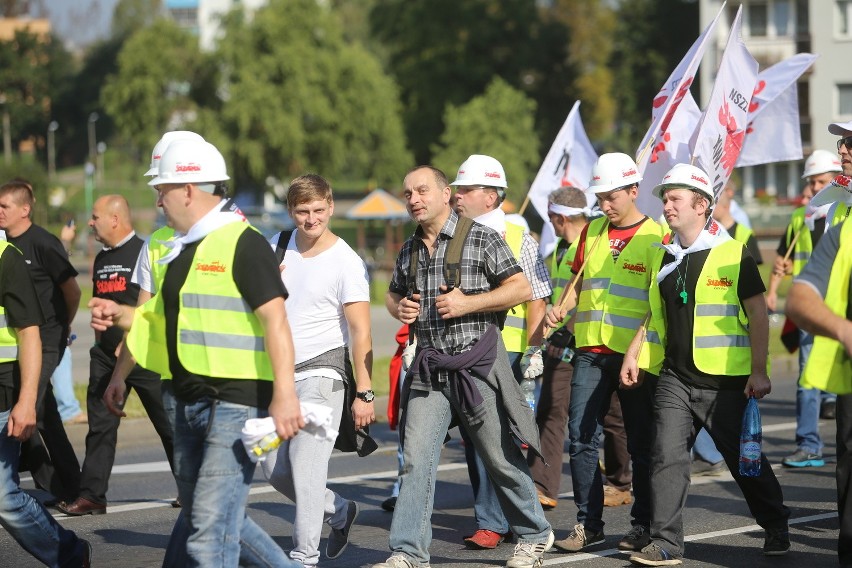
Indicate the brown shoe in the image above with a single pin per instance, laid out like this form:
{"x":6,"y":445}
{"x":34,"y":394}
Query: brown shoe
{"x":614,"y":498}
{"x":82,"y":506}
{"x":547,"y":503}
{"x":81,"y":418}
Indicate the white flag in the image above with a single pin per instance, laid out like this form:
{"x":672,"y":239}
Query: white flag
{"x":774,"y":114}
{"x":671,"y":94}
{"x":568,"y":162}
{"x":719,"y":138}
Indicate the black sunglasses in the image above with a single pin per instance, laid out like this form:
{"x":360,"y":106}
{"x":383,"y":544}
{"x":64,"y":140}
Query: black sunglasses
{"x":847,"y":141}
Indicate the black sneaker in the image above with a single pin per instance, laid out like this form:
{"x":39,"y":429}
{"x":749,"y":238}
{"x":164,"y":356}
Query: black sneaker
{"x":828,"y":410}
{"x":776,"y":542}
{"x":702,"y":468}
{"x":653,"y":555}
{"x":638,"y":538}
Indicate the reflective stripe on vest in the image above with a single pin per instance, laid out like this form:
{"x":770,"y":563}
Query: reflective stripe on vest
{"x":8,"y":337}
{"x":614,"y":296}
{"x":515,"y":327}
{"x":829,"y":367}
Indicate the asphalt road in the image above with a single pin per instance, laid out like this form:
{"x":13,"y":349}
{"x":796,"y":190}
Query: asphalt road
{"x":719,"y":529}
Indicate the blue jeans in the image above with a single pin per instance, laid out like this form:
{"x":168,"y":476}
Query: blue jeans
{"x":63,"y":388}
{"x":594,"y":380}
{"x":807,"y":403}
{"x":486,"y":506}
{"x":427,"y":418}
{"x":26,"y":519}
{"x":705,"y":448}
{"x":214,"y":474}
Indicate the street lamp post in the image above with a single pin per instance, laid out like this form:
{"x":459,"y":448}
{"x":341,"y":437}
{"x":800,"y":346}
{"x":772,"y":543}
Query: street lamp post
{"x":93,"y":152}
{"x":101,"y":149}
{"x":51,"y":149}
{"x":7,"y":132}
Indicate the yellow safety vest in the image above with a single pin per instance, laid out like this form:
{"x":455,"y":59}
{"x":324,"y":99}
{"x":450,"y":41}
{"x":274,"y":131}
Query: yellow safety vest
{"x":720,"y":340}
{"x":8,"y":337}
{"x":560,"y":271}
{"x":218,"y":335}
{"x":804,"y":246}
{"x":614,"y":297}
{"x":515,"y":327}
{"x":742,"y":233}
{"x":156,"y":251}
{"x":829,"y":367}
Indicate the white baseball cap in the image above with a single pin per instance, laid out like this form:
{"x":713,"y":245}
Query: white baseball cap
{"x":838,"y":190}
{"x":841,"y":128}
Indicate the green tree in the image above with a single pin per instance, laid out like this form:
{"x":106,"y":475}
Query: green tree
{"x":499,"y":123}
{"x":129,"y":16}
{"x":298,"y":97}
{"x":446,"y":52}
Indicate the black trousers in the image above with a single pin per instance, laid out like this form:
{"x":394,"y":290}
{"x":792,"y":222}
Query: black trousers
{"x":49,"y":456}
{"x":103,"y":425}
{"x":844,"y":478}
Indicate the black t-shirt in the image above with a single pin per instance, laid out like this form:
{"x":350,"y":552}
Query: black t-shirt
{"x":258,"y":279}
{"x":784,"y":244}
{"x":18,"y":297}
{"x":49,"y":267}
{"x":679,"y":316}
{"x":751,"y":244}
{"x":111,"y":280}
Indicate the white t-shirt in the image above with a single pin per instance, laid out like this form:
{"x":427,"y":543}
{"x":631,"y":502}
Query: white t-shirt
{"x":142,"y":271}
{"x":318,"y":287}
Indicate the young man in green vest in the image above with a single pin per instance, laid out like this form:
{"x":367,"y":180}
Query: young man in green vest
{"x":613,"y":258}
{"x":819,"y":303}
{"x":809,"y":224}
{"x":480,"y":190}
{"x":708,"y":330}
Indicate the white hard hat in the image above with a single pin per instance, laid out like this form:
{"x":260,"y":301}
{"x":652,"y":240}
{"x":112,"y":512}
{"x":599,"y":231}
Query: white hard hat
{"x":612,"y":171}
{"x":164,"y":142}
{"x":686,"y":176}
{"x":839,"y":190}
{"x":481,"y":170}
{"x":820,"y":162}
{"x":190,"y":161}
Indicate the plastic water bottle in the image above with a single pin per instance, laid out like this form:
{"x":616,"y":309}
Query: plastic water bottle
{"x":751,"y":440}
{"x":528,"y":388}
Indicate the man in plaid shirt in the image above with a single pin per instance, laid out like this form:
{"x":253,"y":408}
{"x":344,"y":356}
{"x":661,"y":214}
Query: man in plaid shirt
{"x":450,"y":324}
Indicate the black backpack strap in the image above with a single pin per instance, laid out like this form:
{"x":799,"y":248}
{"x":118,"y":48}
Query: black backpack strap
{"x":452,"y":260}
{"x":281,"y":245}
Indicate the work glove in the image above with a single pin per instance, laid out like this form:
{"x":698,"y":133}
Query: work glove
{"x":408,"y":355}
{"x":532,"y":365}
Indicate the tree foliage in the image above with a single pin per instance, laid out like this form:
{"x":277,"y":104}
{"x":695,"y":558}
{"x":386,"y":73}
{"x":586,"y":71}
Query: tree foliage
{"x":300,"y":98}
{"x":129,"y":16}
{"x":500,"y":123}
{"x":161,"y":81}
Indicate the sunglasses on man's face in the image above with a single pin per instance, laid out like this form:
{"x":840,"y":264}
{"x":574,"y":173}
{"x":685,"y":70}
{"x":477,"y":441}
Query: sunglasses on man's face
{"x":847,"y":141}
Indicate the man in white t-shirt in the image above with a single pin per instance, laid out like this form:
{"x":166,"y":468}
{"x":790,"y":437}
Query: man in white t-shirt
{"x":328,"y":310}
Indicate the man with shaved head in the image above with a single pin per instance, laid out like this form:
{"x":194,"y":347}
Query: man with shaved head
{"x":113,"y":266}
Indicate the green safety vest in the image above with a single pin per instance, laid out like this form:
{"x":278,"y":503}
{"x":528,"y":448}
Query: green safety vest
{"x":829,"y":367}
{"x":156,"y":251}
{"x":8,"y":337}
{"x":515,"y":327}
{"x":742,"y":234}
{"x":804,"y":246}
{"x":560,"y":271}
{"x":720,"y":340}
{"x":218,"y":335}
{"x":614,"y":297}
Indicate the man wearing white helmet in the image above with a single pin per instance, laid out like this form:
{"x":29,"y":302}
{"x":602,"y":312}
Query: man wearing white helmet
{"x":613,"y":260}
{"x":481,"y":187}
{"x":218,"y":327}
{"x":707,"y":376}
{"x":809,"y":224}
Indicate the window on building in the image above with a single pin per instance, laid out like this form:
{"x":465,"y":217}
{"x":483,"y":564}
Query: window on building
{"x":802,"y":17}
{"x":844,"y":99}
{"x":781,"y":17}
{"x":758,"y":19}
{"x":185,"y":17}
{"x":782,"y":179}
{"x":759,"y":180}
{"x":843,"y":17}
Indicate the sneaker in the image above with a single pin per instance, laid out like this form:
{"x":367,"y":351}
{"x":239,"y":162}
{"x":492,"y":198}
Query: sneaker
{"x":484,"y":538}
{"x":530,"y":554}
{"x":776,"y":542}
{"x":638,"y":538}
{"x":339,"y":538}
{"x":389,"y":504}
{"x":399,"y":561}
{"x":81,"y":418}
{"x":547,"y":503}
{"x":803,"y":458}
{"x":653,"y":555}
{"x":614,"y":497}
{"x":828,"y":410}
{"x":703,"y":468}
{"x":579,"y":539}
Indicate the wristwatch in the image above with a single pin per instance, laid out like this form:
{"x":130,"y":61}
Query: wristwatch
{"x":366,"y":396}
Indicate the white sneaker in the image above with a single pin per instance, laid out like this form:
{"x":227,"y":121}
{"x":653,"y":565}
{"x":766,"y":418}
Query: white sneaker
{"x":530,"y":554}
{"x":399,"y":561}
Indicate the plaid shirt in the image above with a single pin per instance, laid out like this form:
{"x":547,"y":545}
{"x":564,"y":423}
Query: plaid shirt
{"x":486,"y":262}
{"x":534,"y":268}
